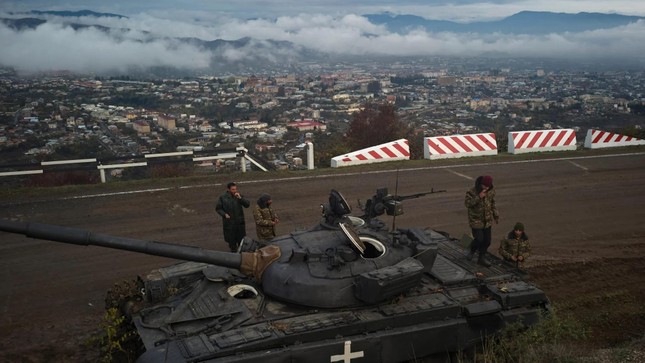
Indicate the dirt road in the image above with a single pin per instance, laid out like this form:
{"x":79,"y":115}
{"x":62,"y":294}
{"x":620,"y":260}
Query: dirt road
{"x":584,"y":216}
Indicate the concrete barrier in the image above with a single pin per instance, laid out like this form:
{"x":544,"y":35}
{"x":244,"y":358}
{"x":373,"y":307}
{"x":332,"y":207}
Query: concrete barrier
{"x":457,"y":146}
{"x":391,"y":151}
{"x":521,"y":142}
{"x":597,"y":139}
{"x":239,"y":153}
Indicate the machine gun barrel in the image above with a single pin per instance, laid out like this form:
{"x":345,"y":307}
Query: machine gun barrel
{"x":399,"y":198}
{"x":85,"y":238}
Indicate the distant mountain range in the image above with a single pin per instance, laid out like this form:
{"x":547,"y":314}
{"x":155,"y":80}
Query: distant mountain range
{"x":77,"y":13}
{"x":525,"y":22}
{"x":35,"y":18}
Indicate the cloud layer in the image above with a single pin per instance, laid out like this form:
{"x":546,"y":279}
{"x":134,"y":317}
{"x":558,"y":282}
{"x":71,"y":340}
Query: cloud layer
{"x":144,"y":41}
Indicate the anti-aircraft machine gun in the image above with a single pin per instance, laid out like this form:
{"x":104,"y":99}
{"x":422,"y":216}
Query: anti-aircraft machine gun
{"x":341,"y":291}
{"x":383,"y":202}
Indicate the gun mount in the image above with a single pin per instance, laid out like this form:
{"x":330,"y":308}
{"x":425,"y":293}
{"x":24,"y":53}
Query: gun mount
{"x":383,"y":202}
{"x":309,"y":295}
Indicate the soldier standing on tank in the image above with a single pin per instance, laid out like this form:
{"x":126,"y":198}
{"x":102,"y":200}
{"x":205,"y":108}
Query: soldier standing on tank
{"x":229,"y":206}
{"x":515,"y":248}
{"x":480,"y":201}
{"x":265,"y":218}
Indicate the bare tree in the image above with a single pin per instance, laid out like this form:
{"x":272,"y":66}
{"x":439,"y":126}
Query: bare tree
{"x":374,"y":124}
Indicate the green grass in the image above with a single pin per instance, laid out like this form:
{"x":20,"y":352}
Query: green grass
{"x":559,"y":338}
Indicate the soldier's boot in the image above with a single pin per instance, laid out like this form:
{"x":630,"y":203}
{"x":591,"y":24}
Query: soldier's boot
{"x":470,"y":255}
{"x":482,"y":260}
{"x":473,"y":249}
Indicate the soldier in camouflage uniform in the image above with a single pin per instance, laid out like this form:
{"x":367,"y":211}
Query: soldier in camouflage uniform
{"x":480,"y":201}
{"x":265,"y":218}
{"x":515,"y":248}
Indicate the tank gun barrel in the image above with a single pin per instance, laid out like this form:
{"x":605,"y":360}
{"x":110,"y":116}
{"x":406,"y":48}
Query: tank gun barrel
{"x":86,"y":238}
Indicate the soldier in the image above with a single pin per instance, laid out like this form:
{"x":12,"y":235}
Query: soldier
{"x":515,"y":247}
{"x":265,"y":218}
{"x":229,"y":206}
{"x":480,"y":201}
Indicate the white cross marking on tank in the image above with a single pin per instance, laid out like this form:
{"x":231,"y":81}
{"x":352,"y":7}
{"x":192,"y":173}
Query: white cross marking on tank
{"x":347,"y":355}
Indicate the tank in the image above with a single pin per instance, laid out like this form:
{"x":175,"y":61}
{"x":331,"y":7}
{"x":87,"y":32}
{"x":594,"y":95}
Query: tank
{"x":348,"y":289}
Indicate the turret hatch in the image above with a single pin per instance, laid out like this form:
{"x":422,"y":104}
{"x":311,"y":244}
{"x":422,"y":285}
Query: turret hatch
{"x":353,"y":237}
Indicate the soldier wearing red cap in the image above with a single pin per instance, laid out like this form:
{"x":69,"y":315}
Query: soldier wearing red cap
{"x":480,"y":201}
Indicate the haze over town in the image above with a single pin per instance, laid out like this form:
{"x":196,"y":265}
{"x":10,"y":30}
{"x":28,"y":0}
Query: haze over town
{"x":152,"y":34}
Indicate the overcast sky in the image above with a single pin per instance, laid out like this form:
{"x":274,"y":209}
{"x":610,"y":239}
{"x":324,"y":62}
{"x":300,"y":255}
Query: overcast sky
{"x":326,"y":25}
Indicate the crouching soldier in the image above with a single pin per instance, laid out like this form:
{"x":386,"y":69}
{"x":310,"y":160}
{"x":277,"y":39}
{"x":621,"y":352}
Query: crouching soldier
{"x":515,"y":248}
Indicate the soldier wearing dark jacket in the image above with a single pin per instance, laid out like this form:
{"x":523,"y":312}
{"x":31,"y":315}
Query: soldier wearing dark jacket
{"x":265,"y":218}
{"x":515,"y":248}
{"x":230,"y":207}
{"x":480,"y":201}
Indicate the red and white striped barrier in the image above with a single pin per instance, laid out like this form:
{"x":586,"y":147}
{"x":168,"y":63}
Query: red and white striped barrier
{"x":391,"y":151}
{"x":457,"y":146}
{"x":597,"y":139}
{"x":521,"y":142}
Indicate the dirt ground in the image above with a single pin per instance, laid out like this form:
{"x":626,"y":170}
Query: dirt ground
{"x":584,"y":217}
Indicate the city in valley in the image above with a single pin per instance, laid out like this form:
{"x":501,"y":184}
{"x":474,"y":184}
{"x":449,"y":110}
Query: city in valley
{"x":168,"y":102}
{"x":62,"y":116}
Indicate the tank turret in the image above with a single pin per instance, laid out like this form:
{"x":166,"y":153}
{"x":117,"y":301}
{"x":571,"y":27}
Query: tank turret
{"x":332,"y":265}
{"x":343,"y":285}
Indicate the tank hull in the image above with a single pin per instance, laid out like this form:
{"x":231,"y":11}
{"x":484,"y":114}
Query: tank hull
{"x":455,"y":304}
